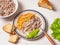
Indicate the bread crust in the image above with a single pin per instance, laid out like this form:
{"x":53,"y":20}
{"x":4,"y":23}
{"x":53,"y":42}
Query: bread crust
{"x":45,"y":4}
{"x":9,"y":28}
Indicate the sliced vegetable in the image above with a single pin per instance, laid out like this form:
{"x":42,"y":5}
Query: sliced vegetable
{"x":33,"y":33}
{"x":55,"y":27}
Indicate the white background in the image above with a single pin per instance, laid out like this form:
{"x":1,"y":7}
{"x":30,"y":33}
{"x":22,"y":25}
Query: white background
{"x":50,"y":15}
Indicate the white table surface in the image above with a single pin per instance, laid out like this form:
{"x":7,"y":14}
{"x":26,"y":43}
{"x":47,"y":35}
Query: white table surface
{"x":32,"y":4}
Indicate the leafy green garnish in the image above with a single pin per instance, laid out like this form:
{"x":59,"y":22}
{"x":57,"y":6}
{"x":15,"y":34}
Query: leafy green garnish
{"x":32,"y":34}
{"x":55,"y":27}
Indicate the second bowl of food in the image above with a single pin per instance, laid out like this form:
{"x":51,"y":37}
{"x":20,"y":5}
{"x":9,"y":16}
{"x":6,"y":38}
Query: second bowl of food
{"x":28,"y":24}
{"x":8,"y":8}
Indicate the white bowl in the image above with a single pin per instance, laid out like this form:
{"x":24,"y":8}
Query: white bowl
{"x":16,"y":7}
{"x":38,"y":14}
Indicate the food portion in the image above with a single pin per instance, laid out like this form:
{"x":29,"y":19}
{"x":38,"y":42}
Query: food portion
{"x":24,"y":18}
{"x":6,"y":7}
{"x":45,"y":4}
{"x":27,"y":23}
{"x":32,"y":34}
{"x":55,"y":27}
{"x":9,"y":28}
{"x":13,"y":38}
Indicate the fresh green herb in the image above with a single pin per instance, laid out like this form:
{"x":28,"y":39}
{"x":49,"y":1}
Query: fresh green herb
{"x":55,"y":27}
{"x":32,"y":34}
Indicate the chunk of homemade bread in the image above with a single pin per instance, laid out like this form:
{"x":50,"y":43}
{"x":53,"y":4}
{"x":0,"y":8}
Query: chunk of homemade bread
{"x":9,"y":28}
{"x":13,"y":38}
{"x":45,"y":4}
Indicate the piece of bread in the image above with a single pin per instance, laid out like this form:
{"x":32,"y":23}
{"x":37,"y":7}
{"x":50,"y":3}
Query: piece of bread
{"x":13,"y":38}
{"x":9,"y":28}
{"x":45,"y":4}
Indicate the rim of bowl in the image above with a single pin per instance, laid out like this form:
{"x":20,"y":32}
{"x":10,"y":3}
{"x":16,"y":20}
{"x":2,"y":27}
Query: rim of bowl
{"x":31,"y":39}
{"x":16,"y":7}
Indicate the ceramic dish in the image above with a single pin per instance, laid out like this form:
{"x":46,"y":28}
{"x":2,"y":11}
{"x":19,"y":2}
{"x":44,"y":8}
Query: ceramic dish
{"x":16,"y":7}
{"x":36,"y":14}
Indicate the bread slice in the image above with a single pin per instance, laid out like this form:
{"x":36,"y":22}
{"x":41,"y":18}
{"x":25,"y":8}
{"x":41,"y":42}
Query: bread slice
{"x":13,"y":38}
{"x":9,"y":28}
{"x":45,"y":4}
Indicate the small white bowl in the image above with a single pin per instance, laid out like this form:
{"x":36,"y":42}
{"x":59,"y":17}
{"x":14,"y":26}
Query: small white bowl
{"x":16,"y":8}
